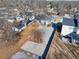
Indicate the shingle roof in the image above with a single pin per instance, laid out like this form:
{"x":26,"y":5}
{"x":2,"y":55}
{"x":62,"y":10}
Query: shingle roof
{"x":20,"y":25}
{"x":67,"y":21}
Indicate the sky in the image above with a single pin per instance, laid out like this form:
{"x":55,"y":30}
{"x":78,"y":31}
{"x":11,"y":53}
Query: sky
{"x":62,"y":0}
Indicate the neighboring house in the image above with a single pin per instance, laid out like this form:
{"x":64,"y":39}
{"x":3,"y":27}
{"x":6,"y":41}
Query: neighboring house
{"x":21,"y":26}
{"x":10,"y":20}
{"x":68,"y":16}
{"x":44,"y":20}
{"x":70,"y":32}
{"x":18,"y":18}
{"x":47,"y":21}
{"x":28,"y":13}
{"x":32,"y":18}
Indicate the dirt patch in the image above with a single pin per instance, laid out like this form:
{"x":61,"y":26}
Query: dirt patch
{"x":36,"y":36}
{"x":7,"y":52}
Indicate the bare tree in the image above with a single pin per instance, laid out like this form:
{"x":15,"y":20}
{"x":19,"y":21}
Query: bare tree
{"x":8,"y":34}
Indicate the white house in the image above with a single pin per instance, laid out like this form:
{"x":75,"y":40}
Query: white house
{"x":69,"y":32}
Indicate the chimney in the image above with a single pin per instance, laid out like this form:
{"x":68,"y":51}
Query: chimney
{"x":75,"y":21}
